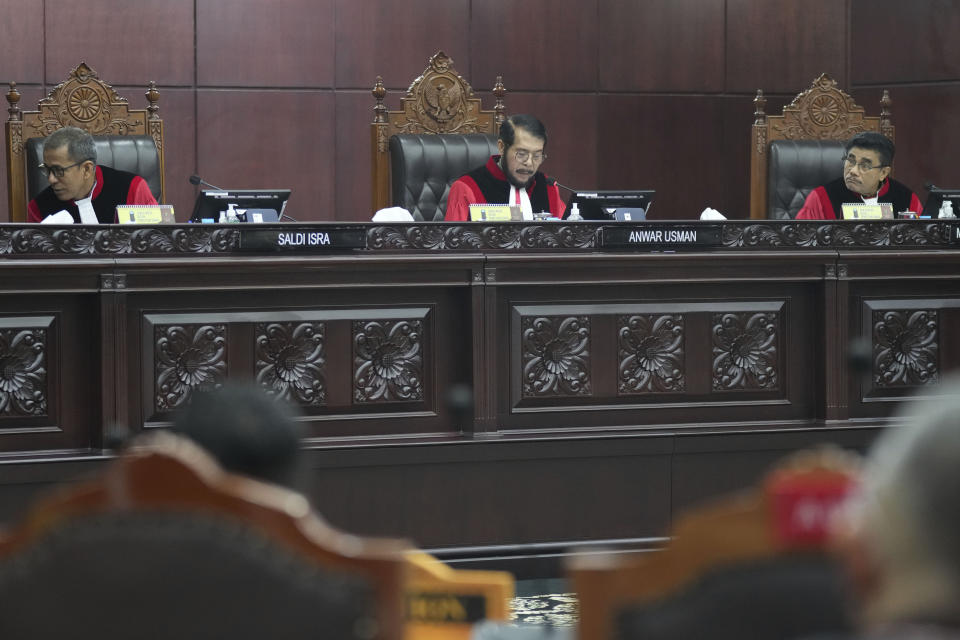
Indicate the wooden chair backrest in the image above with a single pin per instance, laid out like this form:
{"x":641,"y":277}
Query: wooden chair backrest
{"x":165,"y":473}
{"x":438,"y":101}
{"x":82,"y":100}
{"x":822,"y":112}
{"x":735,"y":529}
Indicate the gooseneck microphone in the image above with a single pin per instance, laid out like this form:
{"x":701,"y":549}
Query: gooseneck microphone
{"x":563,"y":186}
{"x":197,"y":180}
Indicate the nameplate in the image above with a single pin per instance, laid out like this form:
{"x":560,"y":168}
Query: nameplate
{"x":145,"y":214}
{"x":445,"y":608}
{"x":302,"y":239}
{"x":660,"y":237}
{"x":494,"y":212}
{"x":859,"y":211}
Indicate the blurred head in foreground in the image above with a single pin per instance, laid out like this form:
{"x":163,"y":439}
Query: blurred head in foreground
{"x":901,"y":542}
{"x":246,"y":430}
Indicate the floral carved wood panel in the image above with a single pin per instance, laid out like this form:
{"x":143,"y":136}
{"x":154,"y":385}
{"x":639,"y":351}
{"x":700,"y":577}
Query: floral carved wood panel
{"x":905,"y":347}
{"x":23,"y":371}
{"x":291,"y":361}
{"x":556,"y":355}
{"x":745,"y":351}
{"x":187,"y":357}
{"x":650,"y":354}
{"x":388,"y":361}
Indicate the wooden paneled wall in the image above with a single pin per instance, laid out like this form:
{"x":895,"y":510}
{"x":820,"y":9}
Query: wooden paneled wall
{"x":651,"y":93}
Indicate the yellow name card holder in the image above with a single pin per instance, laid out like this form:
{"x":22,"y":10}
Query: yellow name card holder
{"x":145,"y":214}
{"x":494,"y":212}
{"x":861,"y":211}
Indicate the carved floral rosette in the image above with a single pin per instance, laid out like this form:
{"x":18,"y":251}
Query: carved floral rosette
{"x":906,"y":350}
{"x":821,"y":112}
{"x":388,"y":362}
{"x":23,"y":371}
{"x":556,"y":356}
{"x":745,"y":351}
{"x":650,"y":354}
{"x":85,"y":101}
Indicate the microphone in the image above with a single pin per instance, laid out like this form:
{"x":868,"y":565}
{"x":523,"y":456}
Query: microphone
{"x":929,"y":186}
{"x":197,"y":180}
{"x":563,"y":186}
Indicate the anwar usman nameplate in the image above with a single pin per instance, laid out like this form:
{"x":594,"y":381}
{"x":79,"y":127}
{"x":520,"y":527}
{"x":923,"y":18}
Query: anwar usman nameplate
{"x":302,"y":239}
{"x":660,"y":237}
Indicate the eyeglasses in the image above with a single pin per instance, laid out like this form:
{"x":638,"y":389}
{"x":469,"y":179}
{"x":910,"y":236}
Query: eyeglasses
{"x":863,"y":165}
{"x":523,"y":156}
{"x":59,"y":171}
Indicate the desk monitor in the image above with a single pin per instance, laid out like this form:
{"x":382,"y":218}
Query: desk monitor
{"x":253,"y":205}
{"x":624,"y":206}
{"x":935,"y":199}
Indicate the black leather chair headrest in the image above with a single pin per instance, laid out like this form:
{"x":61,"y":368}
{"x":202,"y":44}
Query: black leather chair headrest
{"x":797,"y":167}
{"x":136,"y":154}
{"x":423,"y":166}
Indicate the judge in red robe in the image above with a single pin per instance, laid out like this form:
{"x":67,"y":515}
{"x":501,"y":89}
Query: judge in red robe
{"x":88,"y":192}
{"x":512,"y":177}
{"x":866,"y":179}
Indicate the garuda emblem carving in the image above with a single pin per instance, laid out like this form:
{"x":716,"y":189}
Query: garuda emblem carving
{"x":445,"y":99}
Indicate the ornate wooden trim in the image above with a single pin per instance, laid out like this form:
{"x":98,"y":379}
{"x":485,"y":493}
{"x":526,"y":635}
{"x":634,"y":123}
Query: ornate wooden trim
{"x":119,"y":240}
{"x":438,"y":101}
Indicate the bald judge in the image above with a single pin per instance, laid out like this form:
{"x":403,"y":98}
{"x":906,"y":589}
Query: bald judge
{"x":512,"y":177}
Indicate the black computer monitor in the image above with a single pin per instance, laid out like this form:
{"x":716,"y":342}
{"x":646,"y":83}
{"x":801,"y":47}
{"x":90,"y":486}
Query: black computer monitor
{"x":258,"y":205}
{"x":935,"y":199}
{"x":625,"y":206}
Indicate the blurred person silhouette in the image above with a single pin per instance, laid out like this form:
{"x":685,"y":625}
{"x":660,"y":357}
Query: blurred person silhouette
{"x":248,"y":431}
{"x":900,"y":542}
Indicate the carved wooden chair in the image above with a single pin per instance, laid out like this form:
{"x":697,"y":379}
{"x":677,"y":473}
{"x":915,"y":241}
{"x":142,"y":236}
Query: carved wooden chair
{"x":164,"y":543}
{"x":754,"y":564}
{"x":127,"y":139}
{"x":793,"y":153}
{"x":413,"y":166}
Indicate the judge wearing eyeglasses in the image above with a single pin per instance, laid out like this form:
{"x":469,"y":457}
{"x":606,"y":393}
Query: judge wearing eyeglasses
{"x":513,"y":177}
{"x":79,"y":186}
{"x":866,"y":179}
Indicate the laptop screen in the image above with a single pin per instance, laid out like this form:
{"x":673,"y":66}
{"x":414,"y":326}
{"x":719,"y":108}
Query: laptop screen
{"x":257,"y":205}
{"x":623,"y":205}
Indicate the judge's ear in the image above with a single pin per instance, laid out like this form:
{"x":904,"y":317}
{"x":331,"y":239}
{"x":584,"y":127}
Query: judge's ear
{"x":500,"y":147}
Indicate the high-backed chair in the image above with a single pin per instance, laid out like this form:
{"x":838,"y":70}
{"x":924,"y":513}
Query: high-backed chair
{"x":793,"y":153}
{"x":750,"y":565}
{"x":164,"y":543}
{"x":439,"y":134}
{"x":126,"y":139}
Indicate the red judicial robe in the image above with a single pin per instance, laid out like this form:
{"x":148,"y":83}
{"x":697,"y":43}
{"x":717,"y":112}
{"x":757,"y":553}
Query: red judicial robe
{"x":489,"y":185}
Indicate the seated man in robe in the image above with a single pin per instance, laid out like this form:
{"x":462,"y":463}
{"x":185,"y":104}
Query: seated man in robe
{"x":866,"y":171}
{"x":513,"y":177}
{"x":87,"y":191}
